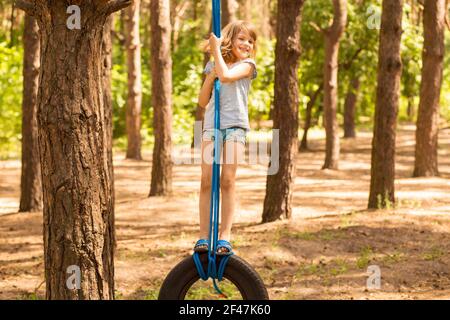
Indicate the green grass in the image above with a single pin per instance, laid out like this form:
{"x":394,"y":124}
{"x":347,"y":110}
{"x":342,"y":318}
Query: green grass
{"x":151,"y":294}
{"x":346,"y":221}
{"x":395,"y":257}
{"x":332,"y":268}
{"x":434,"y":254}
{"x":364,"y":257}
{"x":299,"y":235}
{"x":30,"y":296}
{"x":118,"y":295}
{"x":162,"y":253}
{"x":389,"y":204}
{"x":310,"y":269}
{"x":340,"y":267}
{"x":204,"y":290}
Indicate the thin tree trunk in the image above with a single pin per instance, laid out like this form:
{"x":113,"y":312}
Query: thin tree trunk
{"x":309,"y":107}
{"x":266,"y":28}
{"x":161,"y":183}
{"x":134,"y":101}
{"x":410,"y":110}
{"x":245,"y":9}
{"x":199,"y":111}
{"x":31,"y":183}
{"x":350,"y":109}
{"x":332,"y":38}
{"x":426,"y":160}
{"x":178,"y":16}
{"x":11,"y":29}
{"x":108,"y":105}
{"x":229,"y":8}
{"x":78,"y":230}
{"x":382,"y":191}
{"x":278,"y":199}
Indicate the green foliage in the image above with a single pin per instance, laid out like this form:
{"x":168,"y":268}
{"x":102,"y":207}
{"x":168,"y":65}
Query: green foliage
{"x":357,"y":59}
{"x":359,"y":56}
{"x":187,"y":81}
{"x":261,"y":93}
{"x":412,"y":44}
{"x":10,"y":100}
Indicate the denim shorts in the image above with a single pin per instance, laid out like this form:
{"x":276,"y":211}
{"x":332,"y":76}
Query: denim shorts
{"x":236,"y":134}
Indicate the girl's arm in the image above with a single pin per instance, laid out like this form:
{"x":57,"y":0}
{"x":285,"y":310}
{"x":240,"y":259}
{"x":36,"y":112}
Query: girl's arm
{"x":224,"y":74}
{"x":206,"y":90}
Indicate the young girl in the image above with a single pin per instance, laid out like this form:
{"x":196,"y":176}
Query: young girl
{"x":235,"y":67}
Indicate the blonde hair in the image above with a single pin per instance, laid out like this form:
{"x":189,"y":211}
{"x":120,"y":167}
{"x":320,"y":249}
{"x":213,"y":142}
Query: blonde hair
{"x":229,"y":35}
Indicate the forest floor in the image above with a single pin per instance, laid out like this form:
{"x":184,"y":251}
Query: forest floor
{"x":323,"y":252}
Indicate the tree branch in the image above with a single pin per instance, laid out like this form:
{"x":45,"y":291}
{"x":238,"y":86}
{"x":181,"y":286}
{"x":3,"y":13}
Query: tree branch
{"x":348,"y":64}
{"x":116,"y":5}
{"x":316,"y":27}
{"x":25,"y":6}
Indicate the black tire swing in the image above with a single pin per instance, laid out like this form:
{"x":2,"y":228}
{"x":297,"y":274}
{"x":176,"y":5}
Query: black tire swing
{"x":181,"y":278}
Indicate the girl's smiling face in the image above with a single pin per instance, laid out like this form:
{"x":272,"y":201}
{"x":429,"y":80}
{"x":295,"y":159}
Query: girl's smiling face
{"x":243,"y":46}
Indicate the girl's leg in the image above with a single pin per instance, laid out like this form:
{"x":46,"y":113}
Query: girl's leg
{"x":205,"y":188}
{"x":232,"y":155}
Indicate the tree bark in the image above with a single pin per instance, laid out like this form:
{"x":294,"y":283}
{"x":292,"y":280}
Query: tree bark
{"x":309,"y":107}
{"x":11,"y":28}
{"x":107,"y":47}
{"x":332,"y":38}
{"x":73,"y":142}
{"x":178,"y":13}
{"x":266,"y":16}
{"x":350,"y":109}
{"x":410,"y":109}
{"x":426,"y":153}
{"x":229,"y":8}
{"x":161,"y":183}
{"x":199,"y":111}
{"x":31,"y":183}
{"x":278,"y":199}
{"x":382,"y":191}
{"x":245,"y":9}
{"x":134,"y":101}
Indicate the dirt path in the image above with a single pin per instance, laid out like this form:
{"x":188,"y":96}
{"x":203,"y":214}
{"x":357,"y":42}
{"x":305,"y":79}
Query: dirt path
{"x":322,"y":253}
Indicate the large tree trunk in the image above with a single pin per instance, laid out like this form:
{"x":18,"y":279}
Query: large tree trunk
{"x":229,"y":8}
{"x":134,"y":101}
{"x":350,"y":109}
{"x":277,"y":202}
{"x":78,"y":222}
{"x":30,"y":184}
{"x":382,"y":191}
{"x":332,"y":38}
{"x":161,"y":183}
{"x":426,"y":162}
{"x":309,"y":108}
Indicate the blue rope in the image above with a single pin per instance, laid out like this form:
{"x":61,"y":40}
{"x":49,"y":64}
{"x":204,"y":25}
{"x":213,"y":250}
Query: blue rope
{"x":212,"y":270}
